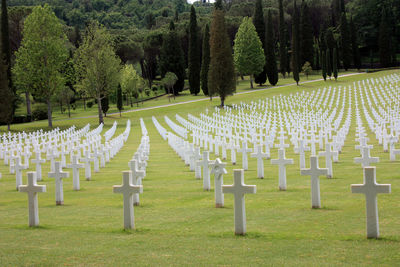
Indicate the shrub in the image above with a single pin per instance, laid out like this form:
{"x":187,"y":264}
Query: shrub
{"x":39,"y":112}
{"x":89,"y":104}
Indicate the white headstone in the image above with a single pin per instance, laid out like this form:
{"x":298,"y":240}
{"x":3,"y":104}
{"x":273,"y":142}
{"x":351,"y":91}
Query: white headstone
{"x":244,"y":150}
{"x":32,"y":188}
{"x":239,"y":189}
{"x":205,"y":162}
{"x":137,"y":177}
{"x":128,"y":189}
{"x":282,"y":162}
{"x":58,"y":175}
{"x":218,"y":169}
{"x":328,"y":153}
{"x":38,"y":161}
{"x":366,"y":159}
{"x":260,"y":163}
{"x":370,"y":188}
{"x":75,"y":166}
{"x":18,"y":171}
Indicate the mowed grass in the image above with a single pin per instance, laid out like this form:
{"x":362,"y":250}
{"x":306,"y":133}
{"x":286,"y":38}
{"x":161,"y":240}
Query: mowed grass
{"x":177,"y":223}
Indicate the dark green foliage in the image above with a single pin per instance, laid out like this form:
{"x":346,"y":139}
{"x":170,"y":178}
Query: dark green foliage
{"x":218,"y":5}
{"x":119,"y":99}
{"x":345,"y":42}
{"x":258,"y":21}
{"x":221,"y":75}
{"x":307,"y":36}
{"x":282,"y":41}
{"x":40,"y":112}
{"x":385,"y":41}
{"x":335,"y":64}
{"x":272,"y":70}
{"x":323,"y":63}
{"x":6,"y":94}
{"x":171,"y":58}
{"x":90,"y":104}
{"x":354,"y":45}
{"x":5,"y":42}
{"x":295,"y":44}
{"x":328,"y":63}
{"x":205,"y":62}
{"x":194,"y":54}
{"x":105,"y":105}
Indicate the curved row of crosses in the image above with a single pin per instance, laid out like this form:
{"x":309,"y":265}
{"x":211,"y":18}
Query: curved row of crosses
{"x":306,"y":121}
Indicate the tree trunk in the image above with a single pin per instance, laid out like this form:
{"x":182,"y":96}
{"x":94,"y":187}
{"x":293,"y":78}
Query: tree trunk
{"x":69,"y":110}
{"x":251,"y":81}
{"x":61,"y":107}
{"x":28,"y":104}
{"x":84,"y":103}
{"x":222,"y":102}
{"x":50,"y":120}
{"x":100,"y":110}
{"x":8,"y":126}
{"x":120,"y":115}
{"x":130,"y":98}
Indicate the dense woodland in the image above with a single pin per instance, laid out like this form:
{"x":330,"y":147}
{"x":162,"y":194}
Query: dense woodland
{"x":165,"y":42}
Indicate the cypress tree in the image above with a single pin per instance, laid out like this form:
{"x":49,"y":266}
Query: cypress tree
{"x":330,"y":45}
{"x":119,"y":99}
{"x":6,"y":95}
{"x":307,"y":36}
{"x":194,"y":54}
{"x":323,"y":62}
{"x":272,"y":70}
{"x":258,"y":21}
{"x":334,"y":62}
{"x":221,"y":75}
{"x":328,"y":63}
{"x":205,"y":62}
{"x":171,"y":58}
{"x":282,"y":41}
{"x":354,"y":45}
{"x":385,"y":41}
{"x":105,"y":105}
{"x":345,"y":42}
{"x":5,"y":40}
{"x":295,"y":44}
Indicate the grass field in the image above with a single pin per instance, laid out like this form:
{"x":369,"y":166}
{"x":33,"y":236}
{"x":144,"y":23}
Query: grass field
{"x":177,"y":223}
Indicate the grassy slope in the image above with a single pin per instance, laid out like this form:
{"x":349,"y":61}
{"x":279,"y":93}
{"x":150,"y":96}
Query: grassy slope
{"x":177,"y":223}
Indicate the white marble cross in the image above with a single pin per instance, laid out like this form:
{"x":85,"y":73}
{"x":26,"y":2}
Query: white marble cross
{"x":58,"y":175}
{"x":314,"y":171}
{"x":96,"y":164}
{"x":88,"y":171}
{"x":302,"y":148}
{"x":205,"y":162}
{"x":137,"y":177}
{"x":75,"y":166}
{"x":32,"y":188}
{"x":366,"y":159}
{"x":18,"y":171}
{"x":260,"y":163}
{"x":282,"y":162}
{"x":244,"y":150}
{"x":328,"y":153}
{"x":239,"y":189}
{"x":197,"y":165}
{"x":218,"y":169}
{"x":38,"y":161}
{"x":128,"y":189}
{"x":370,"y":188}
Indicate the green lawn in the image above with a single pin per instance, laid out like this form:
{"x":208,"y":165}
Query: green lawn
{"x":177,"y":223}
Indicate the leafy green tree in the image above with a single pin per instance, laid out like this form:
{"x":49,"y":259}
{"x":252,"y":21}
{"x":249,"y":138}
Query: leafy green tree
{"x":282,"y":41}
{"x":307,"y":69}
{"x":295,"y":44}
{"x":221,"y":74}
{"x":259,"y":23}
{"x":335,"y":61}
{"x":172,"y":59}
{"x":249,"y":55}
{"x":42,"y":55}
{"x":307,"y":36}
{"x":272,"y":69}
{"x":345,"y":42}
{"x":119,"y":99}
{"x":194,"y":54}
{"x":168,"y":81}
{"x":385,"y":41}
{"x":130,"y":81}
{"x":205,"y":62}
{"x":354,"y":45}
{"x":97,"y":67}
{"x":6,"y":95}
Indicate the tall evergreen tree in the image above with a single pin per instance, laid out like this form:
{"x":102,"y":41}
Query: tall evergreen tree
{"x":354,"y":45}
{"x":335,"y":64}
{"x":171,"y":58}
{"x":249,"y":55}
{"x":205,"y":62}
{"x":194,"y":54}
{"x":272,"y":70}
{"x":6,"y":95}
{"x":105,"y":105}
{"x":330,"y":43}
{"x":259,"y":23}
{"x":5,"y":40}
{"x":323,"y":63}
{"x":221,"y":75}
{"x":307,"y":36}
{"x":119,"y":99}
{"x":385,"y":39}
{"x":345,"y":42}
{"x":295,"y":43}
{"x":282,"y":41}
{"x":328,"y":63}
